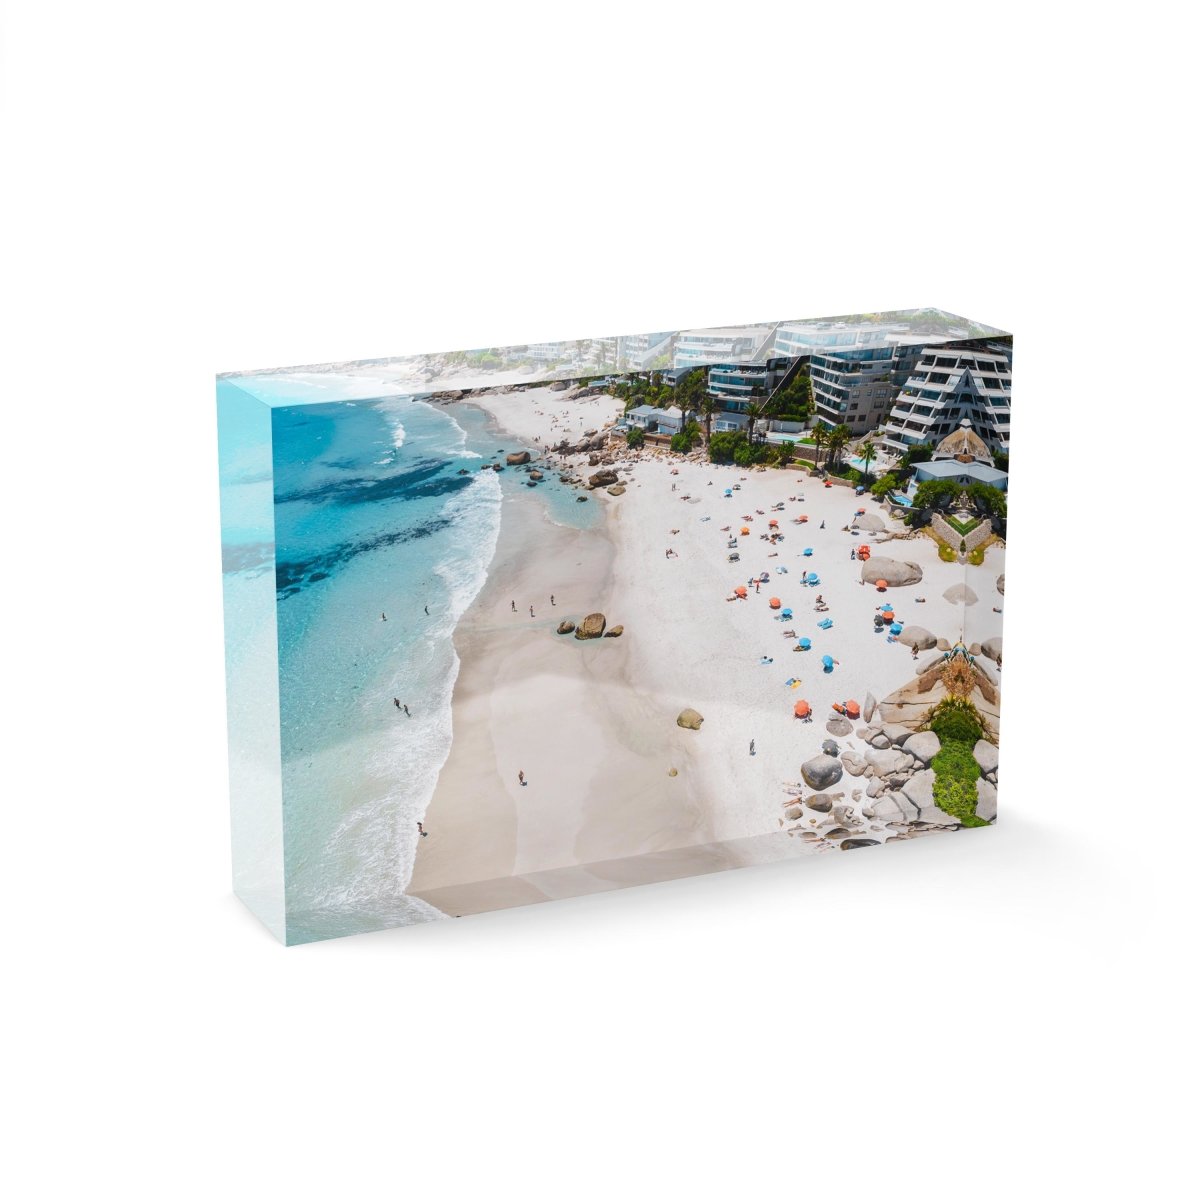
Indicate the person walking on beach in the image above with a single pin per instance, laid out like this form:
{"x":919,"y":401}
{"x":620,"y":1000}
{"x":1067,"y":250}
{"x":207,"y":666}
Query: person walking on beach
{"x":751,"y":745}
{"x":406,"y":712}
{"x":396,"y":701}
{"x":822,"y":524}
{"x":521,"y":778}
{"x":914,"y":653}
{"x":551,"y":599}
{"x":514,"y":605}
{"x":427,"y":610}
{"x":531,"y":610}
{"x":383,"y":616}
{"x":422,"y":830}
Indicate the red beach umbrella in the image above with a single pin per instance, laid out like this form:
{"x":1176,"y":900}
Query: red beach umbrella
{"x":803,"y":709}
{"x":775,"y":602}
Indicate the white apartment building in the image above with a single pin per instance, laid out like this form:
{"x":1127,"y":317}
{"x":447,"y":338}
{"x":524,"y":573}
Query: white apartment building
{"x":950,"y":383}
{"x":734,"y":344}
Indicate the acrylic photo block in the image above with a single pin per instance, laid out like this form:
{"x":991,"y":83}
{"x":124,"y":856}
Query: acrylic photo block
{"x":531,"y":622}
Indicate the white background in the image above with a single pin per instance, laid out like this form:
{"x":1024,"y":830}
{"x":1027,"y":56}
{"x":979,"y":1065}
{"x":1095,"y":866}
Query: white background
{"x":231,"y":185}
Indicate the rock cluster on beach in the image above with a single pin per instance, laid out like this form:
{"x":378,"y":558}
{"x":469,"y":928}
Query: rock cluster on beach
{"x":689,"y":719}
{"x":592,"y":626}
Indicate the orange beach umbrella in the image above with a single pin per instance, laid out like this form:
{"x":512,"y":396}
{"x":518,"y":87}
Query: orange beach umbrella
{"x":740,"y":591}
{"x":881,"y":584}
{"x":745,"y":531}
{"x":775,"y":602}
{"x":852,"y":709}
{"x":802,"y":709}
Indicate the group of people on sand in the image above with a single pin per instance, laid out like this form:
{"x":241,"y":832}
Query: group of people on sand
{"x":513,"y":604}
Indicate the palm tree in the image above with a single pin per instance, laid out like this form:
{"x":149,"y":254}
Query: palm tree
{"x":867,"y":453}
{"x":839,"y":436}
{"x":709,"y":406}
{"x":755,"y":412}
{"x":818,"y":438}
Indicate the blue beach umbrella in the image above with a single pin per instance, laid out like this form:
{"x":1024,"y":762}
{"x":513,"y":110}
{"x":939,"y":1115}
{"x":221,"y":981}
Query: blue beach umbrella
{"x":805,"y":643}
{"x":827,"y":663}
{"x":787,"y":612}
{"x":897,"y":628}
{"x":808,"y":552}
{"x":812,"y":578}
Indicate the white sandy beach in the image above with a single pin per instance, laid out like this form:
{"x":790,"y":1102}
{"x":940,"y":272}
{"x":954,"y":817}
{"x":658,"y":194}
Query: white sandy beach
{"x":592,"y":724}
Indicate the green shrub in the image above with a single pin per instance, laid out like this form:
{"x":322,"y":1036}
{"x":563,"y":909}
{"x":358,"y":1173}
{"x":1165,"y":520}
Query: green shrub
{"x":955,"y":719}
{"x":635,"y":437}
{"x":954,"y":774}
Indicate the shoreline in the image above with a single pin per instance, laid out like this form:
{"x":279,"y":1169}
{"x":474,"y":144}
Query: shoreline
{"x":593,"y":723}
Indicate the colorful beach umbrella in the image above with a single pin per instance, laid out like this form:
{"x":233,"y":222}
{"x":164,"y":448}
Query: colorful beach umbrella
{"x":881,"y":584}
{"x":827,"y":662}
{"x":805,"y":643}
{"x":740,"y":591}
{"x":808,"y":552}
{"x":775,"y":602}
{"x":803,"y":709}
{"x":897,"y":628}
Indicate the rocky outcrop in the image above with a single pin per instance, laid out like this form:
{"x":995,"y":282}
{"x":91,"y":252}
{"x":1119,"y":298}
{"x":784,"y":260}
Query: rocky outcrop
{"x":602,"y":479}
{"x":923,"y":746}
{"x":985,"y":803}
{"x":592,"y":626}
{"x":888,"y":762}
{"x":919,"y":790}
{"x":518,"y":458}
{"x":870,"y":704}
{"x":855,"y":843}
{"x":821,"y":804}
{"x":615,"y":631}
{"x":689,"y":719}
{"x":536,"y":475}
{"x":914,"y":635}
{"x":821,"y":772}
{"x":617,"y":489}
{"x":987,"y":756}
{"x":993,"y":648}
{"x":892,"y":571}
{"x":854,"y":763}
{"x":839,"y":726}
{"x":566,"y":627}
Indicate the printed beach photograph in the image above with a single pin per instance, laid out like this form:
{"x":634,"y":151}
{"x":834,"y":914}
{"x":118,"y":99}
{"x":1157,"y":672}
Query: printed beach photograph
{"x":532,"y":622}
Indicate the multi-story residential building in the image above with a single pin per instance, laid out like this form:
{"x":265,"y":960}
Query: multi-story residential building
{"x":971,"y":380}
{"x":638,"y":350}
{"x":856,"y":387}
{"x":738,"y":385}
{"x":739,"y":343}
{"x":794,"y":338}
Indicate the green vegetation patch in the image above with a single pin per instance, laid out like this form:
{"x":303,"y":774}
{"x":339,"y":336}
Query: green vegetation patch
{"x":963,"y":527}
{"x":954,"y":774}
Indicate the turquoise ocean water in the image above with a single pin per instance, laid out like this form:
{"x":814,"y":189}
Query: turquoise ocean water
{"x":371,"y":516}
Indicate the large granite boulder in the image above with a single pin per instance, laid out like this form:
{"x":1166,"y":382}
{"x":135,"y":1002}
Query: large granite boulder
{"x":919,"y":790}
{"x":689,"y":719}
{"x":870,"y":704}
{"x":987,"y":756}
{"x":960,"y":594}
{"x":993,"y":648}
{"x":893,"y":572}
{"x":536,"y":475}
{"x":923,"y":746}
{"x":896,"y":734}
{"x":887,"y":762}
{"x":854,"y":763}
{"x":1000,"y":583}
{"x":985,"y":804}
{"x":592,"y":626}
{"x":915,"y":635}
{"x":856,"y":843}
{"x":617,"y":489}
{"x":615,"y":631}
{"x":566,"y":627}
{"x":821,"y":772}
{"x":870,"y":522}
{"x":518,"y":458}
{"x":602,"y":478}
